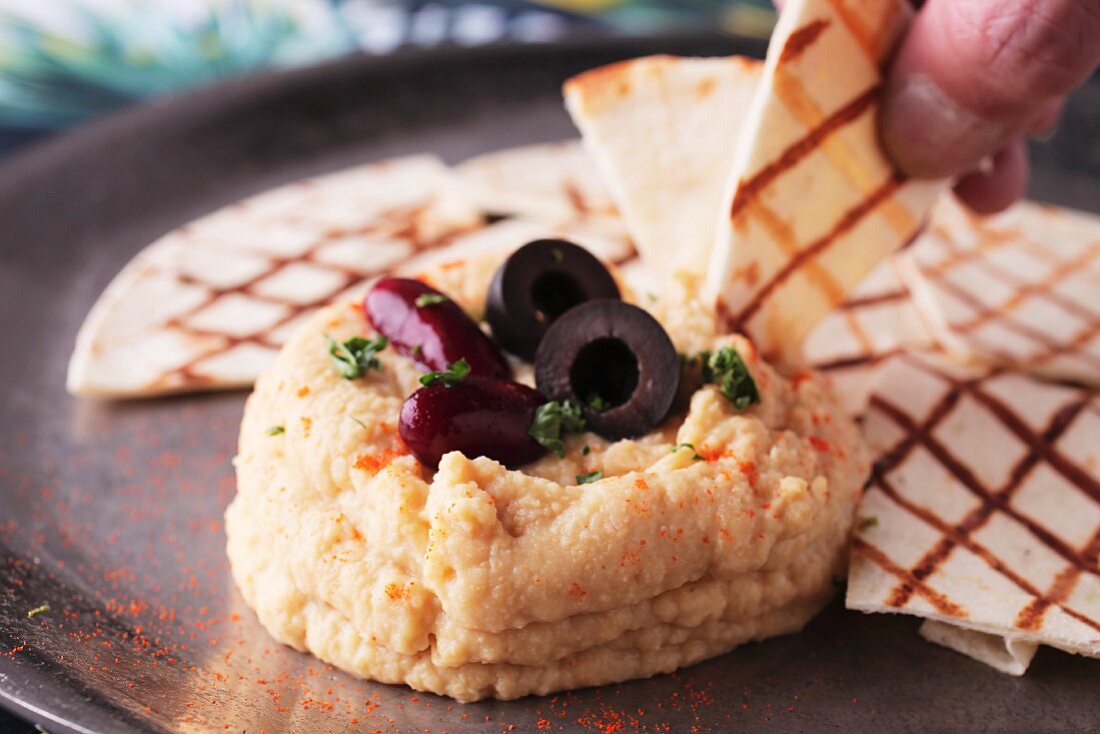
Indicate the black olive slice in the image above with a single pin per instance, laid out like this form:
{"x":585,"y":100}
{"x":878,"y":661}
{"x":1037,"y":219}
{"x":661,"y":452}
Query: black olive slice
{"x":615,"y":361}
{"x":538,"y":283}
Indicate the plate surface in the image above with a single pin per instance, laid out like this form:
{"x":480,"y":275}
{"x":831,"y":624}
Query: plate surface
{"x":112,"y":513}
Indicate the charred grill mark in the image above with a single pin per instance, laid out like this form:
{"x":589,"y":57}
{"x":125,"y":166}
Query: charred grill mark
{"x":1041,"y":288}
{"x":400,"y":223}
{"x":802,"y":39}
{"x":781,"y":233}
{"x":1052,"y":346}
{"x":933,"y":597}
{"x":966,"y":478}
{"x":576,"y":199}
{"x":867,"y":38}
{"x":854,"y":304}
{"x":1040,"y":448}
{"x":850,"y":219}
{"x":991,"y":238}
{"x":1031,"y":617}
{"x":750,"y":188}
{"x":858,"y":360}
{"x":906,"y":578}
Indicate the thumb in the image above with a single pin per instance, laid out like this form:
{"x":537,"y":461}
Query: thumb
{"x":972,"y":75}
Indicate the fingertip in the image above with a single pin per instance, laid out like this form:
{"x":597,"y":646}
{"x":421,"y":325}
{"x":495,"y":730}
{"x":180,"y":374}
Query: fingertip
{"x":929,"y":135}
{"x":988,"y":192}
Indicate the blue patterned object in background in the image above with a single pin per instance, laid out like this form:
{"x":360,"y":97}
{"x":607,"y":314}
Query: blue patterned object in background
{"x":64,"y":61}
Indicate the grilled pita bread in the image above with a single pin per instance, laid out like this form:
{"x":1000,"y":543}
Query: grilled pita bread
{"x":813,"y":203}
{"x":1019,"y":288}
{"x":662,"y":130}
{"x":853,"y":342}
{"x":1007,"y":654}
{"x":208,"y":305}
{"x":552,"y":183}
{"x":983,"y":512}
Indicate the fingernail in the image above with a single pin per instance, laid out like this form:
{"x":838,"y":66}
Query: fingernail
{"x":1045,"y":134}
{"x":929,"y":135}
{"x":1044,"y":124}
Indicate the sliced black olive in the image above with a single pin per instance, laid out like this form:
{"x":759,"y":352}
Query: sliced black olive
{"x":614,"y":360}
{"x":538,"y":283}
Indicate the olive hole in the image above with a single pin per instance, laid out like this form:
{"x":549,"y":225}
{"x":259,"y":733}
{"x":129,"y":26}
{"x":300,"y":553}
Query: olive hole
{"x":553,"y":293}
{"x":605,"y":372}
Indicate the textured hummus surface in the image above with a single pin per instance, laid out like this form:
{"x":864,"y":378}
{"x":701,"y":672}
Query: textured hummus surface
{"x":477,"y":581}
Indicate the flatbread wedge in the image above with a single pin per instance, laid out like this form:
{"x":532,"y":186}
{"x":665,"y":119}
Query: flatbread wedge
{"x":854,"y":341}
{"x":983,"y":511}
{"x":208,"y":305}
{"x":1021,"y":288}
{"x":662,"y":129}
{"x":1007,"y":654}
{"x":556,"y":184}
{"x":813,"y":203}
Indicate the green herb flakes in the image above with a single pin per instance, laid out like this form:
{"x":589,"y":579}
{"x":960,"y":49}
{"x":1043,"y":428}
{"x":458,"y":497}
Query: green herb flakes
{"x":276,"y":431}
{"x":357,"y":356}
{"x":867,"y":523}
{"x":597,"y":403}
{"x":592,"y":476}
{"x":38,"y":610}
{"x":553,"y":420}
{"x":455,"y":373}
{"x":430,"y":299}
{"x":727,"y":370}
{"x":679,"y":446}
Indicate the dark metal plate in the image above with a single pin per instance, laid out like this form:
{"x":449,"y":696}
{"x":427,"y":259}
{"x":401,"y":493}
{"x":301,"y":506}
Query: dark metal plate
{"x":111,"y":514}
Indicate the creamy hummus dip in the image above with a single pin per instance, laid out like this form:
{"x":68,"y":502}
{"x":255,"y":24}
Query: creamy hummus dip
{"x":477,"y":581}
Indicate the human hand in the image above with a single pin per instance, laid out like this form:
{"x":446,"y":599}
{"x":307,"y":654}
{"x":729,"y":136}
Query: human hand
{"x":973,"y":77}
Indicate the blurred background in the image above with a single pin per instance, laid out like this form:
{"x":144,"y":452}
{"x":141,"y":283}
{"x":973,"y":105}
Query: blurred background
{"x":66,"y":61}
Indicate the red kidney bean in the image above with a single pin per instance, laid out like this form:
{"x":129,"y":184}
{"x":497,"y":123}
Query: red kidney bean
{"x":478,"y":416}
{"x":434,"y":335}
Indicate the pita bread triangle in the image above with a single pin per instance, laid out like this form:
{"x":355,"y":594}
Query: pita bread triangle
{"x":853,"y":342}
{"x":208,"y":305}
{"x":552,"y":183}
{"x":983,"y":512}
{"x":1018,"y":288}
{"x":812,"y":203}
{"x":1007,"y":654}
{"x":662,"y":130}
{"x":547,"y":182}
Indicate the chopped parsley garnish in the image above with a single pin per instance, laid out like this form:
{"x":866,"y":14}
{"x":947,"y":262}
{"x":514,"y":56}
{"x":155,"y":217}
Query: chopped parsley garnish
{"x":558,"y":255}
{"x":867,"y":523}
{"x":361,"y":423}
{"x":586,"y":450}
{"x":430,"y":299}
{"x":455,"y":373}
{"x":357,"y":356}
{"x":553,"y":420}
{"x":679,"y":446}
{"x":727,"y":370}
{"x":592,"y":476}
{"x":597,"y":403}
{"x":418,"y":351}
{"x":276,"y":430}
{"x":38,"y":610}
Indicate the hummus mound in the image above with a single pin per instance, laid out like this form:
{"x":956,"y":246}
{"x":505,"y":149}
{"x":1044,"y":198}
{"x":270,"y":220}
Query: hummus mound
{"x":476,"y":581}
